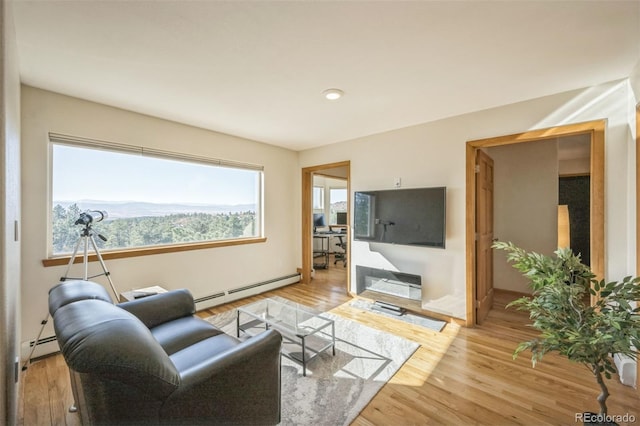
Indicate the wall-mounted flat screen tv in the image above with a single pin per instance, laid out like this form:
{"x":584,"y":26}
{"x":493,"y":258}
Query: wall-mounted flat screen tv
{"x":414,"y":216}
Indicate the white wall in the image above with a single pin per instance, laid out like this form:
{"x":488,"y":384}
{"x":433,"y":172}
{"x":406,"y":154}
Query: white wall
{"x":9,"y":215}
{"x":204,"y":272}
{"x":578,"y":166}
{"x":629,"y":129}
{"x":433,"y":154}
{"x":525,"y":204}
{"x":632,"y":217}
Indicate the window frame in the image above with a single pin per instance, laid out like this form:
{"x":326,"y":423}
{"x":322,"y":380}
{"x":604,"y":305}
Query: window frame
{"x":119,"y":253}
{"x":318,"y":203}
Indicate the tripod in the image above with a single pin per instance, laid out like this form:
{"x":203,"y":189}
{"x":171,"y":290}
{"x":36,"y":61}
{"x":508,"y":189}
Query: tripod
{"x":86,"y":237}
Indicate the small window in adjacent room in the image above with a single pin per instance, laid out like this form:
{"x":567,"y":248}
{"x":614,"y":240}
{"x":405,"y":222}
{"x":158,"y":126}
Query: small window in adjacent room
{"x":318,"y":198}
{"x":338,"y":206}
{"x":151,"y":197}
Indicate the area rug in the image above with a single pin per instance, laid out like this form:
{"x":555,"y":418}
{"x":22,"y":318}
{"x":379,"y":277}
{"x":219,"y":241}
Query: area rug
{"x":430,"y":323}
{"x":338,"y":387}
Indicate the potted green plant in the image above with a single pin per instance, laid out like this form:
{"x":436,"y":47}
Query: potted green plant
{"x":568,"y":323}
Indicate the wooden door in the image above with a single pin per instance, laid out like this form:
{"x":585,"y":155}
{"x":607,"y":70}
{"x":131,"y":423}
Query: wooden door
{"x":484,"y":235}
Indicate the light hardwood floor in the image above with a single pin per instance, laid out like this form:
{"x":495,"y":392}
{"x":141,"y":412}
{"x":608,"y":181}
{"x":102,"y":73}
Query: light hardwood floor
{"x":460,"y":376}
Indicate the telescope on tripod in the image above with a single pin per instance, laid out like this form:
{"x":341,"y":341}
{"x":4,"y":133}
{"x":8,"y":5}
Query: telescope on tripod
{"x":86,"y":239}
{"x":87,"y":236}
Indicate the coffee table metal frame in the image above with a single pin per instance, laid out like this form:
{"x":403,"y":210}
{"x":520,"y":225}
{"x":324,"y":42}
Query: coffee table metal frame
{"x":296,"y":323}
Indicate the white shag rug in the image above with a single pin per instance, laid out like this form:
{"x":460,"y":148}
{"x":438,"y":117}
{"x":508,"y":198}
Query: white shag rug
{"x":338,"y":387}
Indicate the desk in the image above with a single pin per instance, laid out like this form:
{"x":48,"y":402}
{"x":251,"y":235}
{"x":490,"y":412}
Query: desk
{"x":323,"y":252}
{"x":342,"y":229}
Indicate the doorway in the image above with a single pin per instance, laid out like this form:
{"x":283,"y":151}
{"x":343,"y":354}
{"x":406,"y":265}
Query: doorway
{"x":595,"y":132}
{"x":341,"y":171}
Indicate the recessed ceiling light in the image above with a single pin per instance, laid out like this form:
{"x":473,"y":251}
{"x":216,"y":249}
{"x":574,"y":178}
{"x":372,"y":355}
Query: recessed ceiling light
{"x":333,"y":94}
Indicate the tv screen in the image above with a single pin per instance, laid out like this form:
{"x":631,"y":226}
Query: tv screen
{"x":401,"y":216}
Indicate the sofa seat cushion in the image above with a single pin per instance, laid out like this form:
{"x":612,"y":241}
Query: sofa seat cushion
{"x":180,"y":333}
{"x":202,"y":351}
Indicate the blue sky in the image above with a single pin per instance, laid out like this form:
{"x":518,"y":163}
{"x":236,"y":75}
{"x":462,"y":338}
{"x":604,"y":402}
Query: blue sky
{"x":339,"y":195}
{"x":90,"y":174}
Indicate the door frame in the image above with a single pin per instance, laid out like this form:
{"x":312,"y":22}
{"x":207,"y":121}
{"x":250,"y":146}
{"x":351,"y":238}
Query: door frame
{"x":307,"y":226}
{"x":637,"y":217}
{"x":595,"y":129}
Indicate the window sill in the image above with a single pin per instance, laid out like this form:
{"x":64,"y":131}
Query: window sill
{"x":147,"y":251}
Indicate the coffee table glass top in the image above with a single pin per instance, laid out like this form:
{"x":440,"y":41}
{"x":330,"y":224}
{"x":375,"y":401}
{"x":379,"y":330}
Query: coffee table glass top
{"x":305,"y":332}
{"x":294,"y":318}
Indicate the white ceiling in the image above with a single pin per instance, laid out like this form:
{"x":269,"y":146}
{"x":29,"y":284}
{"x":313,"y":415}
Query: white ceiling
{"x":256,"y":69}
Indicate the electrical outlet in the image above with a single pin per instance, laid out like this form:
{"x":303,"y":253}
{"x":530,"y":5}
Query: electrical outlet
{"x":397,"y":182}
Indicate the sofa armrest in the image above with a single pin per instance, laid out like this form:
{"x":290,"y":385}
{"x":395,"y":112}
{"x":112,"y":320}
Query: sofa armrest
{"x":72,"y":291}
{"x":160,"y":308}
{"x":239,"y":386}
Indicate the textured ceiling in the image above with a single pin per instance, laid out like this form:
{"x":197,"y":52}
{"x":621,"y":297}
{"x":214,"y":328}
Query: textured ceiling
{"x":257,"y":69}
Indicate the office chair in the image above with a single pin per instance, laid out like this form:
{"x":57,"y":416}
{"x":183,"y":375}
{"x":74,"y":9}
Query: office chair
{"x":341,"y":256}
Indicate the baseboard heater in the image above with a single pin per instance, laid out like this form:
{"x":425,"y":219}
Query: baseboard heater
{"x":627,"y":369}
{"x":210,"y":297}
{"x":263,"y":283}
{"x":244,"y":291}
{"x":44,"y":346}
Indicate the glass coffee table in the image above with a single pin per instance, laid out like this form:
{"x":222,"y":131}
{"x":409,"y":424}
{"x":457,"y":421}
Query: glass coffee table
{"x":306,"y":333}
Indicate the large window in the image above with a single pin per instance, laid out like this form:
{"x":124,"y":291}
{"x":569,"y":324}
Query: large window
{"x":151,"y":198}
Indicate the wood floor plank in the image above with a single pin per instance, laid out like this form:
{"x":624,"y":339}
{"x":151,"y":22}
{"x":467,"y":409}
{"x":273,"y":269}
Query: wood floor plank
{"x":460,"y":376}
{"x":60,"y":394}
{"x":36,"y":395}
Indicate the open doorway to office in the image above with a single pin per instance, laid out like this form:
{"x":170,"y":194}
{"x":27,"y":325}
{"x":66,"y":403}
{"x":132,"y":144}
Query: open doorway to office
{"x":329,"y":222}
{"x":325,"y":224}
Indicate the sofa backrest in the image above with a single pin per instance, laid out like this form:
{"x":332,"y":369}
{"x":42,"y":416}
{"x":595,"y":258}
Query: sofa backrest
{"x":99,"y":338}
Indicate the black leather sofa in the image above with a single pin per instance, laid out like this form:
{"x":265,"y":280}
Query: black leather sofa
{"x":152,"y":361}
